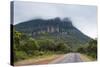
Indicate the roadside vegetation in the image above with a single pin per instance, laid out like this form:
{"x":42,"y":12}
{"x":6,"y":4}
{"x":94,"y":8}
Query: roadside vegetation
{"x":26,"y":47}
{"x":89,"y":49}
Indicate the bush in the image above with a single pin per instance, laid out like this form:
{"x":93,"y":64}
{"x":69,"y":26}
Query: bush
{"x":62,"y":47}
{"x":25,"y":46}
{"x":46,"y":45}
{"x":19,"y":55}
{"x":30,"y":46}
{"x":90,"y":49}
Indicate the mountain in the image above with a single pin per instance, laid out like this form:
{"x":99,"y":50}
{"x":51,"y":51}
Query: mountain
{"x":57,"y":29}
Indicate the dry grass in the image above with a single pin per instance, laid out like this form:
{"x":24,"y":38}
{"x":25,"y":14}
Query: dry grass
{"x":37,"y":60}
{"x":86,"y":58}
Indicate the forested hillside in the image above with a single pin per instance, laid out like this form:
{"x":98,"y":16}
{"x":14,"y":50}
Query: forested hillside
{"x":39,"y":37}
{"x":57,"y":29}
{"x":26,"y":47}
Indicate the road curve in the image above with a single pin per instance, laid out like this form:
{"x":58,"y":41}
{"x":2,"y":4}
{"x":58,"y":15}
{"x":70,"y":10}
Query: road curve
{"x":68,"y":58}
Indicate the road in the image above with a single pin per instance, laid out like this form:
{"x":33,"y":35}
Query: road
{"x":56,"y":59}
{"x":69,"y":58}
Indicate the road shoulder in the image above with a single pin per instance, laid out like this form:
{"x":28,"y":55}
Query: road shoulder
{"x":85,"y":58}
{"x":37,"y":61}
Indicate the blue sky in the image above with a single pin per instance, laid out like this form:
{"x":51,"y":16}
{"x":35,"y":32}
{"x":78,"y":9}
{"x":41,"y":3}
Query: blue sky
{"x":83,"y":17}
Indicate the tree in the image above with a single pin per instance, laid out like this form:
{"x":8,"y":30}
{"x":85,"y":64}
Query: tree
{"x":30,"y":46}
{"x":16,"y":39}
{"x":62,"y":47}
{"x":90,"y":48}
{"x":46,"y":45}
{"x":81,"y":49}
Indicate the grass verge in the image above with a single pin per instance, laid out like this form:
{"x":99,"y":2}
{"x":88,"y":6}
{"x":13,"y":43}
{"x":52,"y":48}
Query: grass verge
{"x":87,"y":58}
{"x":45,"y":59}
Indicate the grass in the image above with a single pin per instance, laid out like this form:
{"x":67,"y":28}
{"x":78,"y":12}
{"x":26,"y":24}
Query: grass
{"x":87,"y":58}
{"x":44,"y":59}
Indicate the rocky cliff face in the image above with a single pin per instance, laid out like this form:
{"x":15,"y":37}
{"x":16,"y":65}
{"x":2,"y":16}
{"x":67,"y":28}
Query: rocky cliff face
{"x":39,"y":26}
{"x":62,"y":29}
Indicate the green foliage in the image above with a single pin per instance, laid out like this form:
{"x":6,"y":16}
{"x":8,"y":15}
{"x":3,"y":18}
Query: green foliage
{"x":25,"y":46}
{"x":30,"y":46}
{"x":16,"y":39}
{"x":19,"y":55}
{"x":90,"y":49}
{"x":62,"y":47}
{"x":46,"y":45}
{"x":55,"y":28}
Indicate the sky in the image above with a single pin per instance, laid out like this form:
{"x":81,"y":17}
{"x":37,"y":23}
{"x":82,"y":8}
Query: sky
{"x":83,"y":17}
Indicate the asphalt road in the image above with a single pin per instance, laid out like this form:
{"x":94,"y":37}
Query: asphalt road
{"x":69,"y":58}
{"x":64,"y":58}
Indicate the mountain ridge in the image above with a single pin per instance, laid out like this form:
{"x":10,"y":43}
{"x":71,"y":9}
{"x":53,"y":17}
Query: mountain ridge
{"x":62,"y":29}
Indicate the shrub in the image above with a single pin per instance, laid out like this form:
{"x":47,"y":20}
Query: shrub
{"x":19,"y":55}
